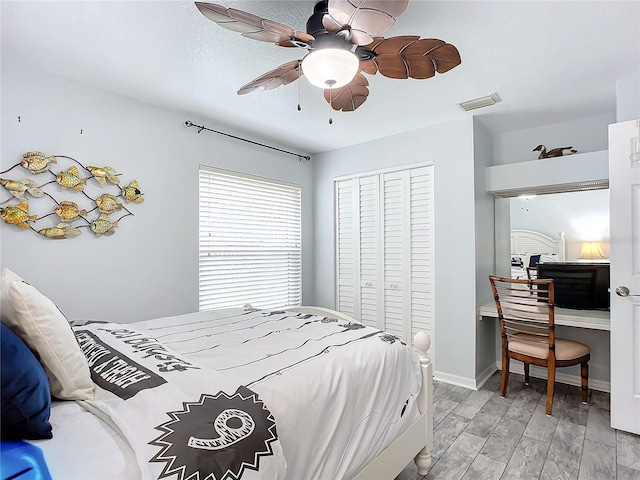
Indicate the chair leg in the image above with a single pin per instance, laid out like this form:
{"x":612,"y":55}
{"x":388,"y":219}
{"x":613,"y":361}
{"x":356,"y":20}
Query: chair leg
{"x":505,"y":374}
{"x":584,"y":374}
{"x":551,"y":383}
{"x":526,"y":374}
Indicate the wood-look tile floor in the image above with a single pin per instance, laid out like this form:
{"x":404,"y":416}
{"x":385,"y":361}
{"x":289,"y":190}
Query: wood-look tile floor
{"x":480,"y":435}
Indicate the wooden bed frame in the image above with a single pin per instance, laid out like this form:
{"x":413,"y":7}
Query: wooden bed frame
{"x":417,"y":441}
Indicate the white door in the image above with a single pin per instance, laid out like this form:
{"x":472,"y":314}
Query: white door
{"x":624,"y":188}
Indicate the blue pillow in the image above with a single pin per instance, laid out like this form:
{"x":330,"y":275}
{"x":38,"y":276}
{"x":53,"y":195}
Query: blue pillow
{"x":23,"y":461}
{"x":26,"y":398}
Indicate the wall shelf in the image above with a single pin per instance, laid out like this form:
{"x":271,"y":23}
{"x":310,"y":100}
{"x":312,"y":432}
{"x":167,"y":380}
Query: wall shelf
{"x":581,"y":171}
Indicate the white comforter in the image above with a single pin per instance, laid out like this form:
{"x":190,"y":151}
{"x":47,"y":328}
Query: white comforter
{"x":179,"y":417}
{"x":339,"y":392}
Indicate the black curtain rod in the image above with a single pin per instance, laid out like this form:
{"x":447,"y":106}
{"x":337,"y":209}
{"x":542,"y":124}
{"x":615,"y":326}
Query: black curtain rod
{"x":189,"y":123}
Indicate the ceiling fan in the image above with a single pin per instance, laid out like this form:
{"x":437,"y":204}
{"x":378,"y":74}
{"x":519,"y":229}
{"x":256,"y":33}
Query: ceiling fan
{"x":344,"y":41}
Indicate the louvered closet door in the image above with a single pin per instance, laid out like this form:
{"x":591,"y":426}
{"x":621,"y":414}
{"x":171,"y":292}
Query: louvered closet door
{"x":346,"y":248}
{"x":357,"y":246}
{"x":395,"y":252}
{"x":369,"y":252}
{"x":421,"y":241}
{"x":384,"y":245}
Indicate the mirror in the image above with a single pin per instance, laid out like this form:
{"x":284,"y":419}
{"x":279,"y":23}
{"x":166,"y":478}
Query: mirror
{"x":582,"y":217}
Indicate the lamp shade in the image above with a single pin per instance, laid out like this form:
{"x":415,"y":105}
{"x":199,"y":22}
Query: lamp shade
{"x":591,"y":251}
{"x":330,"y":67}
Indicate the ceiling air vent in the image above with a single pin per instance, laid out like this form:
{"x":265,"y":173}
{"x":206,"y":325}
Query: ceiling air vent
{"x":479,"y":102}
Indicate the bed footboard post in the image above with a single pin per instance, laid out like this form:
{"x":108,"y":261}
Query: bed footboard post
{"x":422,"y":343}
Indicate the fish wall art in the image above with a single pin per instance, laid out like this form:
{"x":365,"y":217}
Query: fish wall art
{"x":59,"y":189}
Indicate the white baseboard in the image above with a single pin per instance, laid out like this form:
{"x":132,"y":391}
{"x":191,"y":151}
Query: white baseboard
{"x":455,"y":380}
{"x":517,"y":367}
{"x":540,"y":372}
{"x":486,"y":375}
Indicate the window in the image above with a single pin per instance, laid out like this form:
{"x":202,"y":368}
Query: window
{"x":250,"y":241}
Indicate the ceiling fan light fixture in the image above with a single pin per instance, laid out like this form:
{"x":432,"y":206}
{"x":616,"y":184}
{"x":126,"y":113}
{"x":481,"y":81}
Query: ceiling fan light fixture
{"x":343,"y":38}
{"x":330,"y":67}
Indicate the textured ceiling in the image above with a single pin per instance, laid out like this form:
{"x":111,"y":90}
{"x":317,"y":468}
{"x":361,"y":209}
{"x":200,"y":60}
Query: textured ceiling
{"x":549,"y":62}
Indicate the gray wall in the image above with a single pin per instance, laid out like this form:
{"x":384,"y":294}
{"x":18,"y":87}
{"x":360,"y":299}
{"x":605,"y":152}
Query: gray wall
{"x":149,"y":267}
{"x":628,"y":99}
{"x":485,"y":251}
{"x":450,"y":146}
{"x":585,"y":135}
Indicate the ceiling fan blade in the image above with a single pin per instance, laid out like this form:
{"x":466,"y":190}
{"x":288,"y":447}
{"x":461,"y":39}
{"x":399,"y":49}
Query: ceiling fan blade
{"x":366,"y":18}
{"x":445,"y":57}
{"x":349,"y":97}
{"x":368,"y":66}
{"x":252,"y":26}
{"x":283,"y":75}
{"x":412,"y":57}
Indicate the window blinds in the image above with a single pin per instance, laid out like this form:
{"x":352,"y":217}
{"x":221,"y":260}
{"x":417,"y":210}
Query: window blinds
{"x":249,"y":241}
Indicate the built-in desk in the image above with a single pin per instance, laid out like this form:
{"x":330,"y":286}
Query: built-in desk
{"x":594,"y":319}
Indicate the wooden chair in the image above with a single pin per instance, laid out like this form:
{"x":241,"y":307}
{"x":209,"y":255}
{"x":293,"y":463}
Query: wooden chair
{"x":532,"y":273}
{"x":526,"y":316}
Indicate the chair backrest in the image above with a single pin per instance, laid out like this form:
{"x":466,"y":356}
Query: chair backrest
{"x":525,"y":307}
{"x":534,"y":260}
{"x":532,"y":273}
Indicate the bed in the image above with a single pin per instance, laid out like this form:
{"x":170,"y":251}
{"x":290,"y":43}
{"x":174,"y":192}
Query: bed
{"x":529,"y":247}
{"x":295,"y":393}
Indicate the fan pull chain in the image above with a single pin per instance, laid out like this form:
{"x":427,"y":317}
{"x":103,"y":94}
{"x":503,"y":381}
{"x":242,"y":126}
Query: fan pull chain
{"x":331,"y":83}
{"x":299,"y":75}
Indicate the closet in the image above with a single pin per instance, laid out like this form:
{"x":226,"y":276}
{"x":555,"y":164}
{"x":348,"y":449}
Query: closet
{"x":384,"y":249}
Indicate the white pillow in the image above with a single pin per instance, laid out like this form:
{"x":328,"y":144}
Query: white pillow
{"x":8,"y":276}
{"x":40,"y":324}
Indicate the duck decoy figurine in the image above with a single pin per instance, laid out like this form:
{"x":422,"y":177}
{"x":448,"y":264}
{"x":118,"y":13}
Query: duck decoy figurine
{"x":555,"y":152}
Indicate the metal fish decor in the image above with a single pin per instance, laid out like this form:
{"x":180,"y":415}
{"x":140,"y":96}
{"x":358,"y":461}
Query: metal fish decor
{"x":69,"y":215}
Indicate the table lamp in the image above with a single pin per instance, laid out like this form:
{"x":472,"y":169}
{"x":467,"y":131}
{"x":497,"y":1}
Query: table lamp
{"x":591,"y":251}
